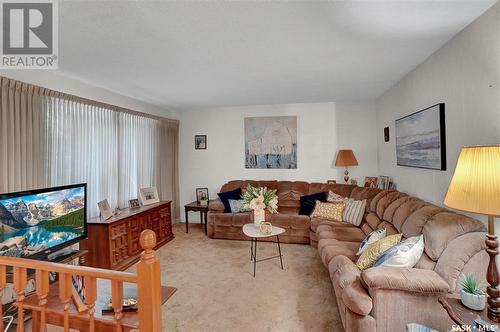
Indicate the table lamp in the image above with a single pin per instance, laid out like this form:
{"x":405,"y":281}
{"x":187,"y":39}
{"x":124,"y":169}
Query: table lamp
{"x":346,"y":158}
{"x":475,"y":187}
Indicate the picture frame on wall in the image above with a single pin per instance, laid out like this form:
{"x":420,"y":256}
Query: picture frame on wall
{"x":371,"y":181}
{"x":200,"y":142}
{"x":421,"y":139}
{"x":383,"y":182}
{"x":105,"y":209}
{"x":201,"y":194}
{"x":149,"y":195}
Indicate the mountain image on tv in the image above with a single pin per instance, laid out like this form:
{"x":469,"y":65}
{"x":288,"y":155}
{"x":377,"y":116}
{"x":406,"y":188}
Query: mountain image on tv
{"x":32,"y":223}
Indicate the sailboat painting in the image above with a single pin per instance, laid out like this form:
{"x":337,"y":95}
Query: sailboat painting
{"x":421,"y":139}
{"x":271,"y":142}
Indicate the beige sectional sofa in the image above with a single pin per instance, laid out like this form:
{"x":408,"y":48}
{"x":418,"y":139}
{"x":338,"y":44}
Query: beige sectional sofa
{"x":381,"y":299}
{"x":387,"y":298}
{"x":298,"y":227}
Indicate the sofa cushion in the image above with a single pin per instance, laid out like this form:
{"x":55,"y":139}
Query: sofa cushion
{"x":444,"y":227}
{"x":343,"y":232}
{"x":307,"y":202}
{"x":290,"y":220}
{"x":406,"y":279}
{"x":227,"y":195}
{"x":330,"y":248}
{"x":375,"y":250}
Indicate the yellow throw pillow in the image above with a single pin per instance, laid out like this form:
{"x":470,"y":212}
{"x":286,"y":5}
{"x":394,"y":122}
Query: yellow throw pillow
{"x":375,"y":250}
{"x":329,"y":211}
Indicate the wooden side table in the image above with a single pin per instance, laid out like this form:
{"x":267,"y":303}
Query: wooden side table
{"x":464,"y":316}
{"x":195,"y":206}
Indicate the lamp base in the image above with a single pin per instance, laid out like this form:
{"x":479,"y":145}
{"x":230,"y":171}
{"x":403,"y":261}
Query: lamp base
{"x":492,"y":273}
{"x":346,"y":175}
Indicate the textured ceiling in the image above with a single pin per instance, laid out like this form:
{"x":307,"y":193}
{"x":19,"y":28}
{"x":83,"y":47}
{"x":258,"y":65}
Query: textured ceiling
{"x":192,"y":55}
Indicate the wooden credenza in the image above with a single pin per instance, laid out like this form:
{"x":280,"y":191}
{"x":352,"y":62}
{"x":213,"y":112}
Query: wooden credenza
{"x":114,"y":243}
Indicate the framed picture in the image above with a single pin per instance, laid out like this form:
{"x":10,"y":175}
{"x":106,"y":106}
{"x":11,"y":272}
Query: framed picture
{"x":371,"y":181}
{"x":421,"y":139}
{"x":383,"y":182}
{"x":200,"y":142}
{"x":271,"y":142}
{"x":331,"y":181}
{"x":201,"y":194}
{"x":134,"y":203}
{"x":149,"y":195}
{"x":386,"y":134}
{"x":105,"y":209}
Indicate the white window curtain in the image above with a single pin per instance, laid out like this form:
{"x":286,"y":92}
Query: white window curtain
{"x":48,"y":138}
{"x":82,"y":147}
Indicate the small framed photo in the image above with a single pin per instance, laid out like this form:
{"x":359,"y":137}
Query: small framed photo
{"x":371,"y":181}
{"x":134,"y":203}
{"x":200,"y":142}
{"x":383,"y":182}
{"x":201,"y":194}
{"x":331,"y":181}
{"x":149,"y":195}
{"x":105,"y":209}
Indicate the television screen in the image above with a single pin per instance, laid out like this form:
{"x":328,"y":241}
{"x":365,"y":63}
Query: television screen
{"x":35,"y":223}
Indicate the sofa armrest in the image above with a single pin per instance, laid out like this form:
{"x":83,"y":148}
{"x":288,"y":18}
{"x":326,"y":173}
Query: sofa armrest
{"x":216,"y":205}
{"x":404,"y":279}
{"x":346,"y":279}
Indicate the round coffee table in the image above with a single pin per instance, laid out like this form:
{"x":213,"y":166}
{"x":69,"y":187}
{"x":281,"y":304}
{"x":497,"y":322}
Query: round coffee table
{"x":253,"y":232}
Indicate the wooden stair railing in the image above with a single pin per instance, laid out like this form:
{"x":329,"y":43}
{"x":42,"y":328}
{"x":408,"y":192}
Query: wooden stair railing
{"x":147,"y":280}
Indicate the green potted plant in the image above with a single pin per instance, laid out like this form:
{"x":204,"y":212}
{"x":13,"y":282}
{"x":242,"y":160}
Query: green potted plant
{"x":472,"y":297}
{"x":204,"y":200}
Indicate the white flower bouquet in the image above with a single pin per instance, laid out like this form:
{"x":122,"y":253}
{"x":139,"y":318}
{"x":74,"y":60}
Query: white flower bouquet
{"x":260,"y":199}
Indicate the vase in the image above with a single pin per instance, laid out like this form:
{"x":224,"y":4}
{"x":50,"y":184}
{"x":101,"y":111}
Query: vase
{"x":258,"y":216}
{"x":473,"y":301}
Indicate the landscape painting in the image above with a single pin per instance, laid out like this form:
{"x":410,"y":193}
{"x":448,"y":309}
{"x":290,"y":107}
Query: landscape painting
{"x":271,"y":142}
{"x":33,"y":223}
{"x":421,"y":139}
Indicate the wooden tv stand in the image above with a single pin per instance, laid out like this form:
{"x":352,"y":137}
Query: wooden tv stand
{"x":114,"y":243}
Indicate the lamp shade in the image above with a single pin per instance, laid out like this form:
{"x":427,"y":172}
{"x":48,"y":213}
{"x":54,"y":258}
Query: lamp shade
{"x":475,"y":186}
{"x":346,"y":158}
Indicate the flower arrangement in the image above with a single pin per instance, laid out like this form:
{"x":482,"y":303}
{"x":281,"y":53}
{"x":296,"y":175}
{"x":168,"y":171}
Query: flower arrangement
{"x":260,"y":199}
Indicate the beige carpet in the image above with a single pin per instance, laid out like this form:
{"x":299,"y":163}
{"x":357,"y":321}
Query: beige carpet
{"x":217,"y":292}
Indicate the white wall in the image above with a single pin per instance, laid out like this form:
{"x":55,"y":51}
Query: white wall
{"x":54,"y":80}
{"x":323,"y":128}
{"x":465,"y":75}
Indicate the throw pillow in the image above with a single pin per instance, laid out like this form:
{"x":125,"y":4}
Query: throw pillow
{"x":335,"y":198}
{"x":354,"y":211}
{"x":405,"y":254}
{"x":226,"y":196}
{"x":375,"y":250}
{"x":308,"y":202}
{"x":371,"y":238}
{"x":328,"y":211}
{"x":237,"y":206}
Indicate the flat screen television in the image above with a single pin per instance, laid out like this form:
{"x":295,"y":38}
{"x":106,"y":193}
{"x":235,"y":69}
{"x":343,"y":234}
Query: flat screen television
{"x":36,"y":223}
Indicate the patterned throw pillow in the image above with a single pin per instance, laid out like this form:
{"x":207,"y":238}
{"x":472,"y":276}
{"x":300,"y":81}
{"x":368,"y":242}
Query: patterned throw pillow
{"x":377,"y":249}
{"x":371,"y":238}
{"x":237,"y":206}
{"x":329,"y":211}
{"x":354,"y":210}
{"x":334,"y":198}
{"x":404,"y":254}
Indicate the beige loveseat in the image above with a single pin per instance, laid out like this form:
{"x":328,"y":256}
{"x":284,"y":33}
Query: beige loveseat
{"x":298,"y":227}
{"x":387,"y":298}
